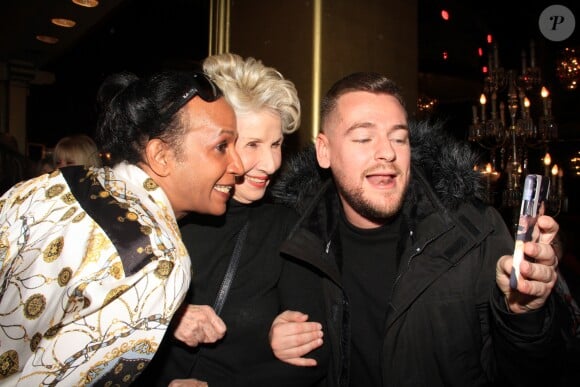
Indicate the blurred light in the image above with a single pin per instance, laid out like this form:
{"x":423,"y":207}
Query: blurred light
{"x":47,"y":39}
{"x":484,"y":69}
{"x":86,"y":3}
{"x":445,"y":15}
{"x":480,"y":51}
{"x":568,"y":68}
{"x":489,"y":38}
{"x":67,"y":23}
{"x":445,"y":55}
{"x":544,"y":92}
{"x":547,"y":159}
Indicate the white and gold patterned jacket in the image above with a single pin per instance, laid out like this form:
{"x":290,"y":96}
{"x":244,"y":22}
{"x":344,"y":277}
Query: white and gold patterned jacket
{"x":92,"y":268}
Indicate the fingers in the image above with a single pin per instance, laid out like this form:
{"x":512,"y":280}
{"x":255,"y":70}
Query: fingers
{"x":302,"y":362}
{"x":548,"y":229}
{"x":291,"y":351}
{"x":502,"y":273}
{"x":291,"y":337}
{"x":290,"y":316}
{"x":199,"y":324}
{"x":541,"y":253}
{"x":538,"y":279}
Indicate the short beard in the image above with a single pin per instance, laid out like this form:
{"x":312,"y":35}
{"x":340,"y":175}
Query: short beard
{"x":355,"y":198}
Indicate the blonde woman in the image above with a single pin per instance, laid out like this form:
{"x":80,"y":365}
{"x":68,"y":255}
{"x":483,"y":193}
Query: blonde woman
{"x":78,"y":149}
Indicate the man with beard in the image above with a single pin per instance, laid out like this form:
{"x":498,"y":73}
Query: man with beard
{"x":415,"y":268}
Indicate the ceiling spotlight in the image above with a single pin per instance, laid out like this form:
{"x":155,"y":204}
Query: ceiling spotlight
{"x":86,"y":3}
{"x":47,"y":39}
{"x":63,"y":22}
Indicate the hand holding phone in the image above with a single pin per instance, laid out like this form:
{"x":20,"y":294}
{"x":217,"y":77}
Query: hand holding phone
{"x":535,"y":193}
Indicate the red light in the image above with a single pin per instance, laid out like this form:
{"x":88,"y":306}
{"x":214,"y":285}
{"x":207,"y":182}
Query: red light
{"x":445,"y":55}
{"x":480,"y":51}
{"x":489,"y":38}
{"x":445,"y":15}
{"x":484,"y":70}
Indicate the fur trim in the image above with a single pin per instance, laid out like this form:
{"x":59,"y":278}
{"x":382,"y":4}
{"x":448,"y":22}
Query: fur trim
{"x":447,"y":163}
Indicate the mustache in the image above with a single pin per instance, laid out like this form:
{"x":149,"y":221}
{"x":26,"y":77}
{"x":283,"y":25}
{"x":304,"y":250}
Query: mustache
{"x":390,"y":169}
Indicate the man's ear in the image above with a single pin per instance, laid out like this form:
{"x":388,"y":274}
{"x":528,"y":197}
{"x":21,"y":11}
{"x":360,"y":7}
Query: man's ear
{"x":160,"y":157}
{"x":322,"y":150}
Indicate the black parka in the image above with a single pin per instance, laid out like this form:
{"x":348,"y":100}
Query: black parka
{"x":447,"y":324}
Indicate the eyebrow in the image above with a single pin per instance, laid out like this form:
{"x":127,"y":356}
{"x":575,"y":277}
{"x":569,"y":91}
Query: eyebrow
{"x":366,"y":124}
{"x":230,"y":132}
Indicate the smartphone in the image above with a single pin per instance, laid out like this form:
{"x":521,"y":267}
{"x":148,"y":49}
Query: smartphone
{"x":535,"y":193}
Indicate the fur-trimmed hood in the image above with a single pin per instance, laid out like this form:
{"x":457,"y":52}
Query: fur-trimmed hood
{"x":444,"y":161}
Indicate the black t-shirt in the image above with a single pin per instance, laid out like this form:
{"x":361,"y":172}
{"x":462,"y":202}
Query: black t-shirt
{"x":369,"y":267}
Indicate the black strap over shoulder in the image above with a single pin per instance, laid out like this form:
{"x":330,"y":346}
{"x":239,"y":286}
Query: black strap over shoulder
{"x":122,"y":229}
{"x":231,"y":271}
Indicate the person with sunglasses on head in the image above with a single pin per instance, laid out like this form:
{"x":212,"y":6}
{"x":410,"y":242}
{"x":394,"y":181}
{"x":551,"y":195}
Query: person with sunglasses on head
{"x":415,"y":267}
{"x":262,"y":282}
{"x":92,"y":266}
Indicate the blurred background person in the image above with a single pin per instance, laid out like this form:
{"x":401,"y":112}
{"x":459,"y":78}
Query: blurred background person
{"x":78,"y":149}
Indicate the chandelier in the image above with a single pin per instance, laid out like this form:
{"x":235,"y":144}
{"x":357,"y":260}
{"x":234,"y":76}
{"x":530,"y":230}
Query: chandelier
{"x":514,"y":118}
{"x":568,"y":68}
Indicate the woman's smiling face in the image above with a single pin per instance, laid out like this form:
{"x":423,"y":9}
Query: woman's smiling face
{"x":260,"y":148}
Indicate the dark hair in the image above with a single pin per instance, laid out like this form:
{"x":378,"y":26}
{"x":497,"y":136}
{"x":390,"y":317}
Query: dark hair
{"x":133,"y":111}
{"x":362,"y":81}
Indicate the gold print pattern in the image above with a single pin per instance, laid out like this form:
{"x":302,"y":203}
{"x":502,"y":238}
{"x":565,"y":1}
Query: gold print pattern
{"x":114,"y":293}
{"x":145,"y":250}
{"x":68,"y":198}
{"x":79,"y":217}
{"x":64,"y":276}
{"x":116,"y":270}
{"x":34,"y":306}
{"x":4,"y":245}
{"x":54,"y":190}
{"x":131,"y":216}
{"x":52,"y":331}
{"x":150,"y":185}
{"x":70,"y":212}
{"x":8,"y":363}
{"x":35,"y":341}
{"x":2,"y":204}
{"x":53,"y":250}
{"x":21,"y":199}
{"x":164,"y":268}
{"x":95,"y":346}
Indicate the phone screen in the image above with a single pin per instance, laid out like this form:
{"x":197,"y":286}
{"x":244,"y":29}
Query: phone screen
{"x":535,"y":193}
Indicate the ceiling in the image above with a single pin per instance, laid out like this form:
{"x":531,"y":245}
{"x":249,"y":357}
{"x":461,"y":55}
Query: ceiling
{"x":141,"y":34}
{"x":21,"y":21}
{"x":510,"y":22}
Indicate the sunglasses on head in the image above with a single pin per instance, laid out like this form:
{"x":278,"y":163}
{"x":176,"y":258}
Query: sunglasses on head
{"x":201,"y":86}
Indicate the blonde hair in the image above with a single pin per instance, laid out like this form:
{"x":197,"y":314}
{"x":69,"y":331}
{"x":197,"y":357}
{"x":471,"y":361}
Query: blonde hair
{"x":78,"y":149}
{"x":249,"y":86}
